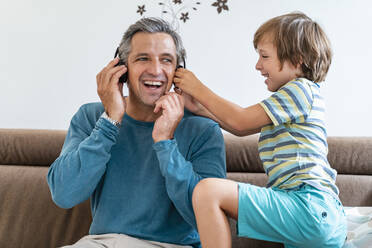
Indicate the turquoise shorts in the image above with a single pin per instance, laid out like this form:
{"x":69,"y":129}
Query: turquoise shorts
{"x":306,"y":217}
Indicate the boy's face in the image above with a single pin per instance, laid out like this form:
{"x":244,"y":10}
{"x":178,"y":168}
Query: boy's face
{"x":151,"y":66}
{"x":269,"y":65}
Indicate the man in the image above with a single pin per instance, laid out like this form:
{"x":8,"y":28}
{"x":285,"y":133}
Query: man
{"x":138,"y":158}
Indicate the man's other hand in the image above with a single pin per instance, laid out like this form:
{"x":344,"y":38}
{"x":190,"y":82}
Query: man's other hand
{"x":110,"y":91}
{"x":171,"y":106}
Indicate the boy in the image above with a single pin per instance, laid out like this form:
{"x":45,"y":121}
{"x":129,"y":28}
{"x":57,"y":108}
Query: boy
{"x":300,"y":206}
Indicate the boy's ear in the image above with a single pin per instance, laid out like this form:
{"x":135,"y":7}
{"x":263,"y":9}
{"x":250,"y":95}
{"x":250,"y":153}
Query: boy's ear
{"x":299,"y":68}
{"x":300,"y":63}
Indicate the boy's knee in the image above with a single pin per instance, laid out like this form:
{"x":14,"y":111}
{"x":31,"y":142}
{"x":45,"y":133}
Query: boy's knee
{"x":204,"y":191}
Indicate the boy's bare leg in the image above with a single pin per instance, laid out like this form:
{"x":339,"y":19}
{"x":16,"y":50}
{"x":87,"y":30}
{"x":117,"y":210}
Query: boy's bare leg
{"x":212,"y":200}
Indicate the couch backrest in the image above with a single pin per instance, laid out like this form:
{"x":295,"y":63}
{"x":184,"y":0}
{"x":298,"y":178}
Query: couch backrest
{"x":30,"y":146}
{"x":348,"y":155}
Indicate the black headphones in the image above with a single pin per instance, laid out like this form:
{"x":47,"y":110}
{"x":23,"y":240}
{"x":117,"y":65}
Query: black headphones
{"x":124,"y":77}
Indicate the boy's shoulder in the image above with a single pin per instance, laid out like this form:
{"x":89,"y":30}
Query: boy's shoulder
{"x":300,"y":83}
{"x":300,"y":88}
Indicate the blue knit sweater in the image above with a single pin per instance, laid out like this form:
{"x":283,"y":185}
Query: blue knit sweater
{"x":136,"y":187}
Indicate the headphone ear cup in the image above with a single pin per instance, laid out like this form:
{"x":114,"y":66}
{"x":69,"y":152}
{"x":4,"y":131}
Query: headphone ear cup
{"x":184,"y":62}
{"x":116,"y":52}
{"x":124,"y":77}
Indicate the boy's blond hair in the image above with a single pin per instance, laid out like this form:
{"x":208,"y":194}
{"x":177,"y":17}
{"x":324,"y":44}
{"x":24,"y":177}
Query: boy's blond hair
{"x":298,"y":39}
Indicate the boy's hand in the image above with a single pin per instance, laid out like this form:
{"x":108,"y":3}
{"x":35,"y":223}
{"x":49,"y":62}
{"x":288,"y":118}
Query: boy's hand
{"x":186,"y":81}
{"x":171,"y":105}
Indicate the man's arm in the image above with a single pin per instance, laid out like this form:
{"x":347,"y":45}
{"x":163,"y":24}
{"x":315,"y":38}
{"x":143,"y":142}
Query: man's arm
{"x":207,"y":157}
{"x":181,"y":176}
{"x":74,"y":176}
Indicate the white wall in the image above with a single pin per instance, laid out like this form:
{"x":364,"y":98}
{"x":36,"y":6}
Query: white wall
{"x":50,"y":52}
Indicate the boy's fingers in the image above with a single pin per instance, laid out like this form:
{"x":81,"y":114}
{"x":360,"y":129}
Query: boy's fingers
{"x":178,"y":73}
{"x":178,"y":90}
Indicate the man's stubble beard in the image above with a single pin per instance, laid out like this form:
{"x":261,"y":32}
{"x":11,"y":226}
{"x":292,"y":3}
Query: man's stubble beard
{"x":138,"y":100}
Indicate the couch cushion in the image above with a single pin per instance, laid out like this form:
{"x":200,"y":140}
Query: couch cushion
{"x":29,"y":218}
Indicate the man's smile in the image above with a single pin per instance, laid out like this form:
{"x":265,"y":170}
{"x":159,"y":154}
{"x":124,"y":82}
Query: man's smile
{"x":153,"y":84}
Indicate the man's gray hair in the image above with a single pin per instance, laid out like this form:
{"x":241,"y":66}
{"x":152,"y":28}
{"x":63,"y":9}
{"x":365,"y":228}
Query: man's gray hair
{"x":150,"y":25}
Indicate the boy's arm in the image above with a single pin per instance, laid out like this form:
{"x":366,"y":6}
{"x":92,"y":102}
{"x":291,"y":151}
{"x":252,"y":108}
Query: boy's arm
{"x":194,"y":106}
{"x":232,"y":117}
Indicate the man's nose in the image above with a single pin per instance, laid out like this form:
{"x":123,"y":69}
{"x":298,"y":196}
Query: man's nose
{"x":155,"y":68}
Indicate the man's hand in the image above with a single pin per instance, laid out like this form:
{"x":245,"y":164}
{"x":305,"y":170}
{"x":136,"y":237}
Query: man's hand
{"x":110,"y":91}
{"x":172,"y":106}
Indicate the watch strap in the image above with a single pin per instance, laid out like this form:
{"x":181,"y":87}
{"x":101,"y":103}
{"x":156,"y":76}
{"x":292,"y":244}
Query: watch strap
{"x":112,"y":121}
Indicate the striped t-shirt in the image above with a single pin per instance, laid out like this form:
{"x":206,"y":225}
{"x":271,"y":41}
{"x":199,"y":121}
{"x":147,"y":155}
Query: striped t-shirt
{"x":294,"y":147}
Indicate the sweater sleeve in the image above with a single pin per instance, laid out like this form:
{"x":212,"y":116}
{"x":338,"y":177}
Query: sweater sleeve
{"x":75,"y":174}
{"x":181,"y":176}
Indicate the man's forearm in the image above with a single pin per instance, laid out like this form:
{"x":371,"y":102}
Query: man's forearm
{"x":73,"y":177}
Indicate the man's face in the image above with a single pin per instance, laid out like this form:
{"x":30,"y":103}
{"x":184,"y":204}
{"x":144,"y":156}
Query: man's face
{"x":151,"y":66}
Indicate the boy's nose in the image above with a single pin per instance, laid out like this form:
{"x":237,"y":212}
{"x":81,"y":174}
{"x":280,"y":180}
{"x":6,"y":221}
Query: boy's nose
{"x":258,"y":65}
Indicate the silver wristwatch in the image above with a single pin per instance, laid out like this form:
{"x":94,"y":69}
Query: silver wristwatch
{"x":114,"y":122}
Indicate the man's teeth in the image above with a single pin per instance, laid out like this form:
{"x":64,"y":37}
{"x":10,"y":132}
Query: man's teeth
{"x":153,"y":83}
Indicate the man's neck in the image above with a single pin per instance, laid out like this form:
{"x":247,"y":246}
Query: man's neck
{"x":139,"y":111}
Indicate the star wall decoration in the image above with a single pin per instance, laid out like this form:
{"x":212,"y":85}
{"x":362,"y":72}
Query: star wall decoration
{"x":220,"y":4}
{"x":141,"y":9}
{"x":184,"y":17}
{"x":182,"y":10}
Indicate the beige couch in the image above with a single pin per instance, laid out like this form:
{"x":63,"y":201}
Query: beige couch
{"x":29,"y":218}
